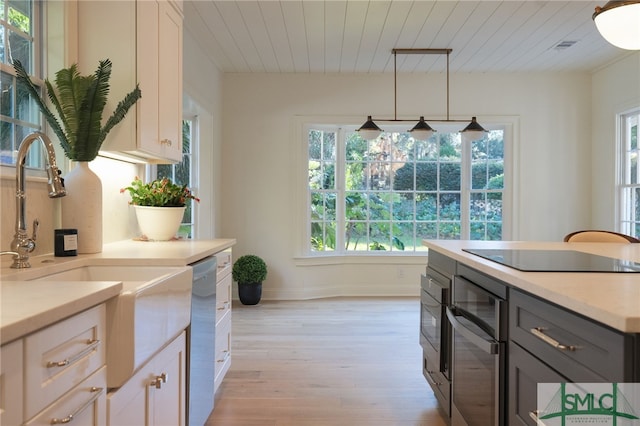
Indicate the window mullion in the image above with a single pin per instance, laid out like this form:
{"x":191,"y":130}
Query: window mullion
{"x":465,"y":190}
{"x":340,"y":188}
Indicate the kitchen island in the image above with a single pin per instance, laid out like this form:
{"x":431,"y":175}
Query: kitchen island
{"x":612,"y":299}
{"x":506,"y":329}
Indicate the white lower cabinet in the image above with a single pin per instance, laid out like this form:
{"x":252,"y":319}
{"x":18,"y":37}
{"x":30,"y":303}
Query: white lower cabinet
{"x":61,"y":356}
{"x":155,"y":394}
{"x":84,"y":405}
{"x":11,"y":383}
{"x":57,"y":374}
{"x":223,"y":316}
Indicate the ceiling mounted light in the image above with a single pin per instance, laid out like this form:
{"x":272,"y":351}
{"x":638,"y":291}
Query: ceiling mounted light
{"x":421,"y":131}
{"x":619,"y":23}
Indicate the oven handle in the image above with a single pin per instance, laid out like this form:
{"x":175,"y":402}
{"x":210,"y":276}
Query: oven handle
{"x":489,"y":346}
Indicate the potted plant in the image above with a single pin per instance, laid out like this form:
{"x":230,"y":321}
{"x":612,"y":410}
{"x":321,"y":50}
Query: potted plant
{"x":160,"y":206}
{"x":79,"y":102}
{"x":249,"y":271}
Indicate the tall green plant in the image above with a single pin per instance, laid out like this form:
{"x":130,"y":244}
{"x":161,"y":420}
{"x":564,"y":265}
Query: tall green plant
{"x":79,"y":101}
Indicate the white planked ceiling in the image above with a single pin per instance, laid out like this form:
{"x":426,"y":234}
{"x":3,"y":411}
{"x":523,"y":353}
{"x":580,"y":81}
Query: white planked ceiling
{"x":357,"y":36}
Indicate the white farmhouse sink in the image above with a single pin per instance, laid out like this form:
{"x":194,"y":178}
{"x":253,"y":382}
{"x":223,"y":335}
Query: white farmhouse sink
{"x":153,"y":307}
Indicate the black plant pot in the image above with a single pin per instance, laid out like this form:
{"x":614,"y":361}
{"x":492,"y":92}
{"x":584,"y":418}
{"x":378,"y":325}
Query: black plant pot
{"x":250,"y":293}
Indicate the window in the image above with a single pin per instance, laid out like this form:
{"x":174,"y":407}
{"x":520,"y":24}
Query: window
{"x":19,"y":40}
{"x":629,"y":188}
{"x":183,"y":174}
{"x":391,"y":193}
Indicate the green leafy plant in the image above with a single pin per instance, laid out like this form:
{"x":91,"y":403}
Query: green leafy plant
{"x":249,"y":269}
{"x":158,"y":193}
{"x":79,"y":101}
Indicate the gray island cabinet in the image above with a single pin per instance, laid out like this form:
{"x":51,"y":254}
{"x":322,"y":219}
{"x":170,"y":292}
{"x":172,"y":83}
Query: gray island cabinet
{"x":562,"y":326}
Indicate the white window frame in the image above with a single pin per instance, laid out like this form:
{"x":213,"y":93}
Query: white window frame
{"x":301,"y":125}
{"x":625,"y":221}
{"x":35,"y":159}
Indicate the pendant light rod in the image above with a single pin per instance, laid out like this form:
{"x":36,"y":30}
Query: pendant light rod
{"x":411,"y":51}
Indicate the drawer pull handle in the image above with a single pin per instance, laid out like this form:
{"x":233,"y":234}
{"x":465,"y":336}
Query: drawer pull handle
{"x":224,"y":356}
{"x":430,"y":379}
{"x":96,"y":394}
{"x":539,"y":333}
{"x":93,"y":343}
{"x":159,"y":380}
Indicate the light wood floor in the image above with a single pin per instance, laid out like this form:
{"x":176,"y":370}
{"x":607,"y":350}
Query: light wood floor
{"x":327,"y":362}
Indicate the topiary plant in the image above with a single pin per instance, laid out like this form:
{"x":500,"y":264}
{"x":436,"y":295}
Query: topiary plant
{"x":249,"y":269}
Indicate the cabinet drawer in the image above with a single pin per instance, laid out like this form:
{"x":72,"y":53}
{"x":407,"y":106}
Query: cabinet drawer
{"x":223,"y":349}
{"x":11,"y":383}
{"x":525,"y":372}
{"x":567,"y":341}
{"x":84,"y":405}
{"x":223,"y":297}
{"x":224,"y":264}
{"x":439,"y":384}
{"x":61,"y":356}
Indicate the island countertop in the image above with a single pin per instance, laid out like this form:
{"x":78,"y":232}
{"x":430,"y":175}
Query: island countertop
{"x":609,"y":298}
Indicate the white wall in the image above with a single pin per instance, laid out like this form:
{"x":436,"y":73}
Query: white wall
{"x":259,"y":154}
{"x":616,"y":89}
{"x":202,"y":98}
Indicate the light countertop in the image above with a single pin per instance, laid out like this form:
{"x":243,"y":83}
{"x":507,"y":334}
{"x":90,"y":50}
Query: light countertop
{"x":30,"y":305}
{"x":609,"y":298}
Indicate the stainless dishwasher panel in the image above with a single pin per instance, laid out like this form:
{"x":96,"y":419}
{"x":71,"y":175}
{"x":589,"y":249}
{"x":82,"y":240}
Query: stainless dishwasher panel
{"x":201,"y":343}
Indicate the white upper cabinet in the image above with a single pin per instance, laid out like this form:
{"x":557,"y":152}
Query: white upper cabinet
{"x":143,"y":40}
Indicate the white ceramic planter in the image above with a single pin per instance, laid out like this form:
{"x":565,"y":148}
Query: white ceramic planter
{"x":159,"y":223}
{"x":82,"y":207}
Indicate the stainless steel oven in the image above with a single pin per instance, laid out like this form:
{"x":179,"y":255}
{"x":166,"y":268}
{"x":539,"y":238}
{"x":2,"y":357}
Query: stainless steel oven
{"x":435,"y":333}
{"x":479,"y":322}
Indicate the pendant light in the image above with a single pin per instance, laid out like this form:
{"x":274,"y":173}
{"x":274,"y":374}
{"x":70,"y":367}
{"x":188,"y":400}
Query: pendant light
{"x":619,"y":23}
{"x":370,"y":130}
{"x":473,"y":131}
{"x":421,"y":131}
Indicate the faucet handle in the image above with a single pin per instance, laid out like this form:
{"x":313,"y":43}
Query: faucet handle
{"x":36,"y":224}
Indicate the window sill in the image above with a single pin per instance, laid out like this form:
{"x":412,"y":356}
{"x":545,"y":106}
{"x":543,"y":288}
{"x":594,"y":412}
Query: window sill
{"x":361,"y":259}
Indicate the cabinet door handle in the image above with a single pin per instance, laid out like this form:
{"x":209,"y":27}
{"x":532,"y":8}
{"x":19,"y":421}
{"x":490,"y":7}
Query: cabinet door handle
{"x":430,"y":379}
{"x":93,"y":343}
{"x":224,"y":356}
{"x":224,"y":306}
{"x":96,"y":394}
{"x":166,"y":142}
{"x":539,"y":333}
{"x":159,"y":380}
{"x":486,"y":345}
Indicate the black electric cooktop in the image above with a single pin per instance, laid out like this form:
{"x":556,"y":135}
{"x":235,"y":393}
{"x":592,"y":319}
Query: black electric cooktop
{"x":555,"y":260}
